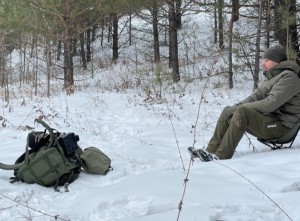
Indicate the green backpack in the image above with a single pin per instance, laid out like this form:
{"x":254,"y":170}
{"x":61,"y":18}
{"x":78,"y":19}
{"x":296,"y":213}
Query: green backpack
{"x":55,"y":159}
{"x":95,"y":161}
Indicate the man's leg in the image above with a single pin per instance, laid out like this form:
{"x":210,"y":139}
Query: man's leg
{"x":248,"y":120}
{"x":220,"y":129}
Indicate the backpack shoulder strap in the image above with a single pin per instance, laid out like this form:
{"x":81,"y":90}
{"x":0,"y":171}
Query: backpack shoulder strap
{"x":50,"y":130}
{"x":19,"y":163}
{"x":4,"y":166}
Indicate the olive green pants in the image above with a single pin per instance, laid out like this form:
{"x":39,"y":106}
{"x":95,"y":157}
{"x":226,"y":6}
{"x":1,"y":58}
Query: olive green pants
{"x":234,"y":121}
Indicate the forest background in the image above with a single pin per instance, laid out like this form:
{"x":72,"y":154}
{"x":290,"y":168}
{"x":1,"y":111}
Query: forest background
{"x":66,"y":32}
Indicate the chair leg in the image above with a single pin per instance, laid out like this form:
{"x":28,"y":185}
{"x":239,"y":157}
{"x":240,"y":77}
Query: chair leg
{"x":274,"y":146}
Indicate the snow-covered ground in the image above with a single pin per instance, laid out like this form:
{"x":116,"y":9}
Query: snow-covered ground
{"x":147,"y":143}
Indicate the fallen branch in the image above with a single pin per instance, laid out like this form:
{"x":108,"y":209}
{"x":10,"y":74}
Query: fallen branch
{"x":56,"y":217}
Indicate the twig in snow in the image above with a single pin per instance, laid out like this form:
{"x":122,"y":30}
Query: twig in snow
{"x":253,"y":184}
{"x":184,"y":189}
{"x":56,"y":217}
{"x":175,"y":137}
{"x":191,"y":159}
{"x":251,"y":144}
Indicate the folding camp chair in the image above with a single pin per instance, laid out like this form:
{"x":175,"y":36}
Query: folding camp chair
{"x":286,"y":139}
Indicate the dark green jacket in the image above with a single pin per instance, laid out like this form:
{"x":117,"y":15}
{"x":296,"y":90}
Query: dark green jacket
{"x":278,"y":94}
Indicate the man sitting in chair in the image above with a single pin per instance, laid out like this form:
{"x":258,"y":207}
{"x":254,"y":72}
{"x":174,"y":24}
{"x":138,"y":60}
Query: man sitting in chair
{"x":269,"y":112}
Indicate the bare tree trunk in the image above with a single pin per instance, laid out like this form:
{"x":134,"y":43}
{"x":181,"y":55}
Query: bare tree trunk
{"x":293,"y":30}
{"x":216,"y":23}
{"x":68,"y":49}
{"x":48,"y":59}
{"x":59,"y":43}
{"x":2,"y":60}
{"x":155,"y":33}
{"x":3,"y":74}
{"x":234,"y":18}
{"x":68,"y":64}
{"x":74,"y":43}
{"x":94,"y":28}
{"x":220,"y":22}
{"x":268,"y":23}
{"x":102,"y":34}
{"x":36,"y":69}
{"x":82,"y":51}
{"x":173,"y":42}
{"x":257,"y":54}
{"x":178,"y":13}
{"x":115,"y":37}
{"x":110,"y":30}
{"x":89,"y":33}
{"x":23,"y":67}
{"x":129,"y":31}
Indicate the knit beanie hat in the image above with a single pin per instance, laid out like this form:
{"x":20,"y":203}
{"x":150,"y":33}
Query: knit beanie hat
{"x":276,"y":53}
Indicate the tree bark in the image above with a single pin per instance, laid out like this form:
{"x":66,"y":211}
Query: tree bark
{"x":173,"y":42}
{"x":115,"y":37}
{"x":215,"y":23}
{"x":155,"y":33}
{"x":88,"y":44}
{"x":257,"y":54}
{"x":68,"y":64}
{"x":48,"y":59}
{"x":234,"y":18}
{"x":293,"y":30}
{"x":68,"y":50}
{"x":220,"y":22}
{"x":268,"y":23}
{"x":59,"y":43}
{"x":82,"y":51}
{"x":178,"y":14}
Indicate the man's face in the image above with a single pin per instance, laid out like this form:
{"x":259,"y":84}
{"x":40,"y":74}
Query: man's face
{"x":268,"y":64}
